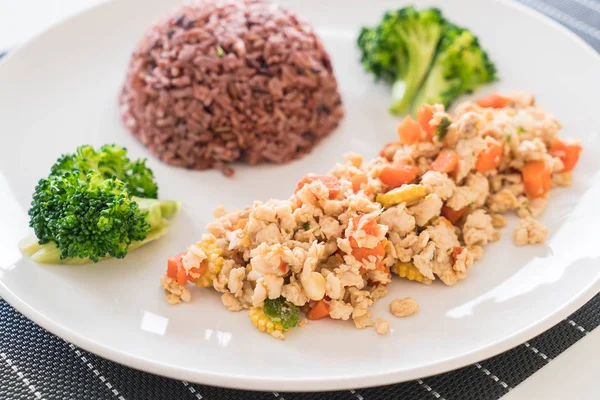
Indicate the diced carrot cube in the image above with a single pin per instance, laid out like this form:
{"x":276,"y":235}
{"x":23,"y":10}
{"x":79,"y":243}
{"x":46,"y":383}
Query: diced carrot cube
{"x":536,"y":178}
{"x":394,"y":176}
{"x":424,"y":116}
{"x":567,"y":152}
{"x":357,"y":181}
{"x":446,"y":161}
{"x":453,"y":215}
{"x":409,"y":131}
{"x":493,"y":100}
{"x":489,"y":158}
{"x":319,"y":311}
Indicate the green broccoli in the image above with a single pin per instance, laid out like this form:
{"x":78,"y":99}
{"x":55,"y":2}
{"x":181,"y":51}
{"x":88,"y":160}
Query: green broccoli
{"x":111,"y":160}
{"x":80,"y":217}
{"x":425,"y":58}
{"x":460,"y":67}
{"x":400,"y":50}
{"x":282,"y":312}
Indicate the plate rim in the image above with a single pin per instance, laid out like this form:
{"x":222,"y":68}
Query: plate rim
{"x":302,"y":384}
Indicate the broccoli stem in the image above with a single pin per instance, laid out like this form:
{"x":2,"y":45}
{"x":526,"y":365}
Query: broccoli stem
{"x":159,"y":214}
{"x":421,"y":49}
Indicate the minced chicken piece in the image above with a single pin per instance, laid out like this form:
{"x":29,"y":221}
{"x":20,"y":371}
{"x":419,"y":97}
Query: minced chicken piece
{"x":382,"y":326}
{"x":231,"y":302}
{"x":404,"y":307}
{"x":478,"y":228}
{"x":502,"y":201}
{"x":340,"y":310}
{"x":426,"y":209}
{"x":438,"y":183}
{"x":364,"y":321}
{"x":498,"y":221}
{"x":529,"y":231}
{"x":563,"y":179}
{"x":175,"y":292}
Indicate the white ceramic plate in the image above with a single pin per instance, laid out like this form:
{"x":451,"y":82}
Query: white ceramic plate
{"x":60,"y":90}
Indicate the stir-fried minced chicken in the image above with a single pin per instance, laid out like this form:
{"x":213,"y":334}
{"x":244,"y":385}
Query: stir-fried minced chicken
{"x":423,"y":210}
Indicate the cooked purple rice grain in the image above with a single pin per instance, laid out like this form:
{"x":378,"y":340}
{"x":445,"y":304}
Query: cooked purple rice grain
{"x":225,"y":81}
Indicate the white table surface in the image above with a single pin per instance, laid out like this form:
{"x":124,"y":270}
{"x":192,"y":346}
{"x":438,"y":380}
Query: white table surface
{"x":572,"y":375}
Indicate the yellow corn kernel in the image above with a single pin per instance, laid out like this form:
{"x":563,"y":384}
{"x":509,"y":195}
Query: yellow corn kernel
{"x":402,"y":194}
{"x":262,"y":322}
{"x":206,"y":280}
{"x":407,"y":270}
{"x":213,"y":257}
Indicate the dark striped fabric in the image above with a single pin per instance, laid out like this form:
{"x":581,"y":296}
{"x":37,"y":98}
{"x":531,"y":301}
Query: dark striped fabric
{"x":34,"y":364}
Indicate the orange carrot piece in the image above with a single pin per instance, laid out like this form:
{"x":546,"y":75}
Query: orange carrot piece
{"x":172,"y":267}
{"x":181,"y":274}
{"x":173,"y":263}
{"x":201,"y":270}
{"x":363,"y":253}
{"x":424,"y":115}
{"x":453,"y":215}
{"x":283,"y":267}
{"x":493,"y":100}
{"x":409,"y":131}
{"x":456,"y":252}
{"x":379,"y":267}
{"x":446,"y":161}
{"x":319,"y":311}
{"x":567,"y":152}
{"x":357,"y":181}
{"x":370,"y":228}
{"x":536,"y":178}
{"x":489,"y":158}
{"x":332,"y":183}
{"x":394,"y":176}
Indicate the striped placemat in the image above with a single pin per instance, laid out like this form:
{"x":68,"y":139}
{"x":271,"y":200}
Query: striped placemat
{"x":34,"y":364}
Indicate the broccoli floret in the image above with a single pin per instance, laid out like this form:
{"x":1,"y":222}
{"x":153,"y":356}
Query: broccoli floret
{"x":84,"y":212}
{"x":425,"y":58}
{"x":460,"y":66}
{"x":282,"y":312}
{"x":86,"y":218}
{"x":111,"y":160}
{"x":400,"y":51}
{"x":158,"y":214}
{"x":383,"y":54}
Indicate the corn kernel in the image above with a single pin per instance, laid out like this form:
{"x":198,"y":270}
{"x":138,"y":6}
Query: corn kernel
{"x":262,"y":322}
{"x":407,"y":270}
{"x":213,"y":258}
{"x":403,"y":194}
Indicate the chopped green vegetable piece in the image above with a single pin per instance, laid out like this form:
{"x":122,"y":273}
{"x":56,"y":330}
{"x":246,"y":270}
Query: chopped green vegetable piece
{"x":520,"y":130}
{"x":220,"y":51}
{"x":306,"y":225}
{"x":442,"y":128}
{"x":282,"y":312}
{"x":508,"y":138}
